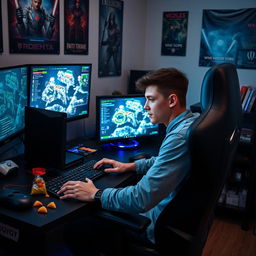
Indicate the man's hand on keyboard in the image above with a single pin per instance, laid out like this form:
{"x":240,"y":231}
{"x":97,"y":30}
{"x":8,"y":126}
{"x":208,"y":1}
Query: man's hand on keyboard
{"x":83,"y":191}
{"x":116,"y":166}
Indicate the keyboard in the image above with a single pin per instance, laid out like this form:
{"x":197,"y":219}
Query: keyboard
{"x":80,"y":172}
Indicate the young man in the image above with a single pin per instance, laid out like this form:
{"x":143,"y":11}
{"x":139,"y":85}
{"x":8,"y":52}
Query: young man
{"x":165,"y":92}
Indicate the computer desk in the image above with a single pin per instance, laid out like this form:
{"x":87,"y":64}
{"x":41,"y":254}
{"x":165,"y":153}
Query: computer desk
{"x":30,"y":232}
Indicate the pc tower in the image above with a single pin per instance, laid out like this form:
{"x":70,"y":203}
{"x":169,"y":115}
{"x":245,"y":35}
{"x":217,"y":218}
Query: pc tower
{"x":45,"y":139}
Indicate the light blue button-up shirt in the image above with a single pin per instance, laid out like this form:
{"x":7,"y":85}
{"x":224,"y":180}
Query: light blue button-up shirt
{"x":161,"y":176}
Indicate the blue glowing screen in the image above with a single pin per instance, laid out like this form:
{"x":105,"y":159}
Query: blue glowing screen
{"x":13,"y":99}
{"x":62,"y":88}
{"x":123,"y":118}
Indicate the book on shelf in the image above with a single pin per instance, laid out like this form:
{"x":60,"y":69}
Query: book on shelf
{"x":243,"y":90}
{"x":246,"y":96}
{"x":246,"y":135}
{"x":251,"y":102}
{"x":253,"y":109}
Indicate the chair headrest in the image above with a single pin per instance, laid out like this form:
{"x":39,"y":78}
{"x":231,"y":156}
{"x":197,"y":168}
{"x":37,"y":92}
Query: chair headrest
{"x":220,"y":88}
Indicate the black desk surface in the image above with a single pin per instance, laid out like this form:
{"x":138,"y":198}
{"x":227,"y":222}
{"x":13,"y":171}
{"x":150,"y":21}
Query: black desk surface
{"x":66,"y":208}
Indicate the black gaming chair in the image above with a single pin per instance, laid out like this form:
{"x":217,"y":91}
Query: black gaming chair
{"x":182,"y":228}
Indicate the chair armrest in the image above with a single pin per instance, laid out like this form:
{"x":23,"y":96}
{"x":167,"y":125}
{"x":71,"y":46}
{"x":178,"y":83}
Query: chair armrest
{"x":133,"y":222}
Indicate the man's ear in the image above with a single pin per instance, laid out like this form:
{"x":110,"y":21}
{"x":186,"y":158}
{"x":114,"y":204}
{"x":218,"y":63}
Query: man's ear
{"x":173,"y":99}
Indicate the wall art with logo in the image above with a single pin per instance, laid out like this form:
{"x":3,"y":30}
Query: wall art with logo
{"x":174,"y":33}
{"x":228,"y":36}
{"x":76,"y":26}
{"x":1,"y":30}
{"x":34,"y":26}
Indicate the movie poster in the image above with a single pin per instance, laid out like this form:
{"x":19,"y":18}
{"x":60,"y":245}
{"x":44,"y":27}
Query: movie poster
{"x":110,"y":37}
{"x":174,"y":33}
{"x":34,"y":26}
{"x":228,"y":36}
{"x":1,"y":30}
{"x":76,"y":26}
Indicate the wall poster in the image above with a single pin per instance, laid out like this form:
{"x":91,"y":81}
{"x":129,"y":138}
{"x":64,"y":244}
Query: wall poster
{"x":174,"y":33}
{"x":1,"y":30}
{"x":228,"y":36}
{"x":76,"y":21}
{"x":110,"y":37}
{"x":34,"y":26}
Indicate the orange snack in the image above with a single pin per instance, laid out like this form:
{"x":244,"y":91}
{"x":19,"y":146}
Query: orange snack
{"x":52,"y":205}
{"x":38,"y":186}
{"x":38,"y":203}
{"x":42,"y":209}
{"x":88,"y":149}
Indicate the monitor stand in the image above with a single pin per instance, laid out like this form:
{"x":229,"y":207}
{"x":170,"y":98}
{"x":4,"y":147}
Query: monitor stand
{"x":125,"y":144}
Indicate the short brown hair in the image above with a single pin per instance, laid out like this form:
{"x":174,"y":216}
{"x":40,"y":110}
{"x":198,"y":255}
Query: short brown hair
{"x":167,"y":80}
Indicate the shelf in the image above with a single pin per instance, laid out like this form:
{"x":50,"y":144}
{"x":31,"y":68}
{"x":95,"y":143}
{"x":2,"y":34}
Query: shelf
{"x":238,"y":194}
{"x":232,"y":207}
{"x":248,"y":120}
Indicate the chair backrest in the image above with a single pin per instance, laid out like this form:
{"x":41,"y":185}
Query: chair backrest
{"x":184,"y":224}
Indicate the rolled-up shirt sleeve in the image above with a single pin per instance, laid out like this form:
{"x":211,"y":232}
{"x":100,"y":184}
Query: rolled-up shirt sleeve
{"x":163,"y":174}
{"x":143,"y":165}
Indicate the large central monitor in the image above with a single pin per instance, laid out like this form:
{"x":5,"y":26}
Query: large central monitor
{"x":13,"y":99}
{"x":121,"y":119}
{"x":61,"y":88}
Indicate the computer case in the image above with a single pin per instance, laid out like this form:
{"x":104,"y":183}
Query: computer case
{"x":45,"y":138}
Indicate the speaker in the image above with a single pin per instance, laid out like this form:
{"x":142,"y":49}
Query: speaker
{"x":134,"y":76}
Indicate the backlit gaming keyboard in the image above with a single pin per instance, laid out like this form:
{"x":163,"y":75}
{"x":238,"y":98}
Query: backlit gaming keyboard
{"x":54,"y":184}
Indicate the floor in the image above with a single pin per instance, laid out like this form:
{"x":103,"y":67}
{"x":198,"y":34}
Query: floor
{"x":226,"y":238}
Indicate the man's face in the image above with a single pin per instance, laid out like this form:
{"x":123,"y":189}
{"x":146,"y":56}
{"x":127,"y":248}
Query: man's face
{"x":36,"y":4}
{"x":157,"y":106}
{"x":77,"y":4}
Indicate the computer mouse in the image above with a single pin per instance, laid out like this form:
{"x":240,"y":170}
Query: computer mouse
{"x":139,"y":156}
{"x":14,"y":199}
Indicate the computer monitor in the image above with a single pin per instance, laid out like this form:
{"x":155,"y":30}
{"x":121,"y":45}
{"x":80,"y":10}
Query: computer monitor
{"x":13,"y":99}
{"x":62,"y":88}
{"x":133,"y":77}
{"x":121,"y":119}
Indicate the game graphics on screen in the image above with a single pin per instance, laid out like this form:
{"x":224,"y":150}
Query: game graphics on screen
{"x":124,"y":118}
{"x":62,"y":89}
{"x":13,"y":98}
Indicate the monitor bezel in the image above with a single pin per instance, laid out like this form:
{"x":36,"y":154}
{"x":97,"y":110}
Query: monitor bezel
{"x":113,"y":140}
{"x":19,"y":132}
{"x":135,"y":75}
{"x":69,"y":119}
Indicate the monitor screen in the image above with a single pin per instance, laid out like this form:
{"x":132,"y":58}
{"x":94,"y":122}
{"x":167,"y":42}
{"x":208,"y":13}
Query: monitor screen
{"x":61,"y":88}
{"x":13,"y":99}
{"x":122,"y":117}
